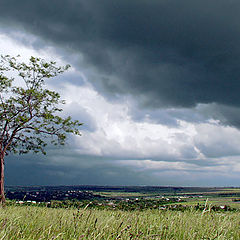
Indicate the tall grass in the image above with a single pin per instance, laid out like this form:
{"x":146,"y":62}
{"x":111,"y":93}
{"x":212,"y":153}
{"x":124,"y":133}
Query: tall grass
{"x":31,"y":223}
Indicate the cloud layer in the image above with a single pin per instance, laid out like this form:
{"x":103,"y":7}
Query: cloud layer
{"x":169,"y":53}
{"x":155,"y":82}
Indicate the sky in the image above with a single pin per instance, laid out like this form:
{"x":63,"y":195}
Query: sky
{"x":155,"y":82}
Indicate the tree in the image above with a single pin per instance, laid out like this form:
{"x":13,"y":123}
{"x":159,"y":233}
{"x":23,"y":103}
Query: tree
{"x":29,"y":113}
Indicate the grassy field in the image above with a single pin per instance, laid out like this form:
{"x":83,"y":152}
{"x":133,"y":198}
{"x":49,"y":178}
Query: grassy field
{"x":28,"y":222}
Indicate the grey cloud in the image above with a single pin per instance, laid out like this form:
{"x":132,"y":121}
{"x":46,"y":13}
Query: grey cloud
{"x":169,"y":54}
{"x":166,"y":53}
{"x":76,"y":111}
{"x":223,"y":147}
{"x":53,"y":169}
{"x":72,"y":78}
{"x":39,"y":170}
{"x":171,"y":116}
{"x":227,"y":115}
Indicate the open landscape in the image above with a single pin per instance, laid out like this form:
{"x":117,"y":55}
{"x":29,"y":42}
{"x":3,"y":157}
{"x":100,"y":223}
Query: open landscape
{"x":121,"y":213}
{"x":119,"y":120}
{"x":123,"y":196}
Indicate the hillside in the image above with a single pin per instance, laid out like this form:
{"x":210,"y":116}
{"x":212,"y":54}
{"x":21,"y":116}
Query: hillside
{"x":29,"y":222}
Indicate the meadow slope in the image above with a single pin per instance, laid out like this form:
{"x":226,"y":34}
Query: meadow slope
{"x":28,"y":222}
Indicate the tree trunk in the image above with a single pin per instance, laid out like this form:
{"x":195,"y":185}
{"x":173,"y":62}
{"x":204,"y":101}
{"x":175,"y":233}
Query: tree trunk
{"x":2,"y":194}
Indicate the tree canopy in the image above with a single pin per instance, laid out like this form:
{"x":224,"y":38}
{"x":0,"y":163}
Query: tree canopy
{"x":30,"y":114}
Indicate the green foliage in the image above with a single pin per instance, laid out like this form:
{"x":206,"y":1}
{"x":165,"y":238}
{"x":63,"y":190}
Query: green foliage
{"x":29,"y":113}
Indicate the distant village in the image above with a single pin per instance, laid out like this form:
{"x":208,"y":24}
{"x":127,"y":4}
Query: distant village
{"x":93,"y":197}
{"x":62,"y":193}
{"x":46,"y":196}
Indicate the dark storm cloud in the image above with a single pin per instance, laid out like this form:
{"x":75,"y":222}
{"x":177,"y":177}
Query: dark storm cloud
{"x":227,"y":115}
{"x":40,"y":170}
{"x":168,"y":53}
